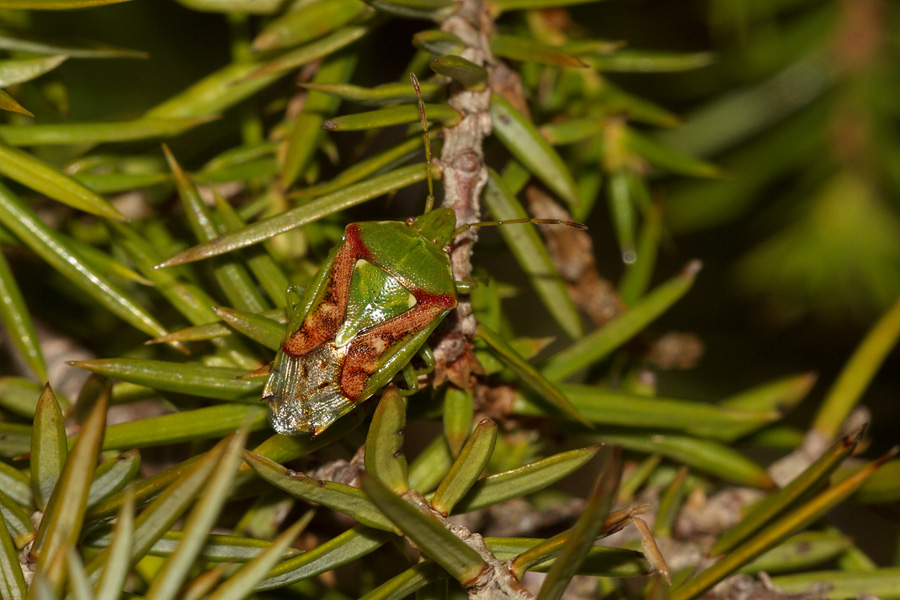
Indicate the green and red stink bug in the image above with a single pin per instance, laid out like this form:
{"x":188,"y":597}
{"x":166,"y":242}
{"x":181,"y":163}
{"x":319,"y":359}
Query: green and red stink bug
{"x":382,"y":291}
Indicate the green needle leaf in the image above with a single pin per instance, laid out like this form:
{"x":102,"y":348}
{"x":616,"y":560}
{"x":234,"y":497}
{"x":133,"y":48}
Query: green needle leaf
{"x":306,"y":135}
{"x":113,"y":475}
{"x":600,"y":343}
{"x":95,"y":133}
{"x":48,"y":447}
{"x":523,"y":140}
{"x":115,"y":570}
{"x":588,"y":527}
{"x":467,"y":468}
{"x":19,"y":41}
{"x":264,"y":330}
{"x":12,"y":580}
{"x":55,"y":4}
{"x":777,"y":531}
{"x":170,"y":578}
{"x":388,"y":93}
{"x":41,"y":177}
{"x":528,"y":374}
{"x":393,"y":115}
{"x":466,"y":73}
{"x":167,"y":508}
{"x":524,"y":480}
{"x":62,"y":520}
{"x":857,"y":373}
{"x":384,"y":442}
{"x":532,"y":255}
{"x":231,"y":276}
{"x":49,"y":245}
{"x":408,"y":582}
{"x":337,"y":496}
{"x":528,"y":50}
{"x":18,"y":521}
{"x":436,"y":541}
{"x":17,"y":319}
{"x":704,"y":455}
{"x":295,"y":217}
{"x":307,"y":23}
{"x":779,"y":502}
{"x":200,"y":424}
{"x":612,"y":407}
{"x":349,"y":546}
{"x":9,"y":103}
{"x":221,"y":383}
{"x":245,"y":579}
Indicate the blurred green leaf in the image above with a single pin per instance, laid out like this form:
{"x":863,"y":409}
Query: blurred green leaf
{"x":21,"y":41}
{"x":800,"y":551}
{"x":306,"y":135}
{"x":339,"y":550}
{"x":25,"y":69}
{"x":705,"y":455}
{"x":432,"y":10}
{"x":464,"y":72}
{"x":95,"y":133}
{"x":166,"y":509}
{"x":393,"y":115}
{"x":612,"y":407}
{"x":113,"y":475}
{"x":256,"y":7}
{"x":55,"y":4}
{"x":524,"y":49}
{"x":307,"y":23}
{"x":882,"y":583}
{"x":18,"y":521}
{"x":10,"y":104}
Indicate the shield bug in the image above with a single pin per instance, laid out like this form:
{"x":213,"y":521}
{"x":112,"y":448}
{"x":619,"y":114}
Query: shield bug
{"x":369,"y":309}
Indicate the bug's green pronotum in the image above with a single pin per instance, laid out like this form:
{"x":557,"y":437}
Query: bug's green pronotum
{"x":381,"y":292}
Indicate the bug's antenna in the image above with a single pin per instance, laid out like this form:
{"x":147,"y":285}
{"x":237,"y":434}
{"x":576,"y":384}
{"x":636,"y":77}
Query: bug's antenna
{"x":429,"y":201}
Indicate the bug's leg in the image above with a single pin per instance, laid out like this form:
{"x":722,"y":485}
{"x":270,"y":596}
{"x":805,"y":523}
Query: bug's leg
{"x":411,"y":377}
{"x":427,"y":357}
{"x":292,"y":295}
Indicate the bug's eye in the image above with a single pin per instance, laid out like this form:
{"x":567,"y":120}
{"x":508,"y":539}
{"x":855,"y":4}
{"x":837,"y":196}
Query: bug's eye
{"x":410,"y":220}
{"x":448,"y":248}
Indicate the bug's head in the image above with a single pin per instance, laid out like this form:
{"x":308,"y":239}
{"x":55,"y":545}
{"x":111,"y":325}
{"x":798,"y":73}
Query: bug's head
{"x":436,"y":225}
